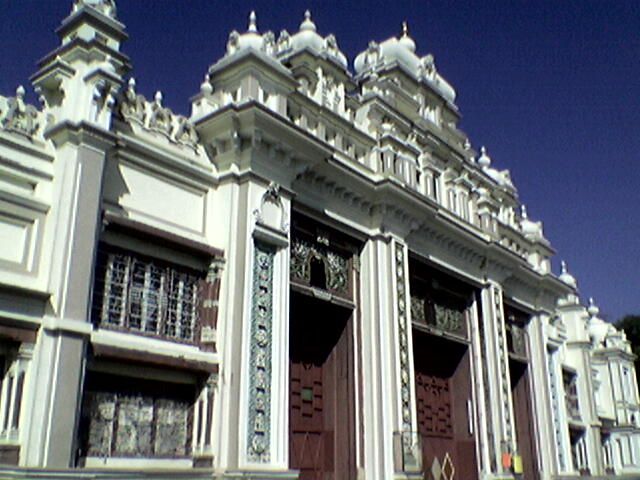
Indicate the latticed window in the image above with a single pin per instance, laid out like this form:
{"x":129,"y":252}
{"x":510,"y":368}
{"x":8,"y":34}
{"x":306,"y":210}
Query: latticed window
{"x":146,"y":296}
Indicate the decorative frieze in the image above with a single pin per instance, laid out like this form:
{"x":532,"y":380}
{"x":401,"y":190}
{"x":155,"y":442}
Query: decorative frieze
{"x":259,"y":418}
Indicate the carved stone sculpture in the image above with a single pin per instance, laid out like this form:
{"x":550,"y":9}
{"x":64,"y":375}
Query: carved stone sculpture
{"x":19,"y":116}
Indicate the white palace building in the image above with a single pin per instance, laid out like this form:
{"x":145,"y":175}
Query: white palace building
{"x":313,"y":276}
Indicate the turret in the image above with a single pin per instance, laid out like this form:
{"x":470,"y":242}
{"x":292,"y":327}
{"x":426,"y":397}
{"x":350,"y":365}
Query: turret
{"x":79,"y":80}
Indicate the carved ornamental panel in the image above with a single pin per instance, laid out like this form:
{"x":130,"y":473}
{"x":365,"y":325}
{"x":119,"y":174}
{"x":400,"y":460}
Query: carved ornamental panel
{"x":321,"y":260}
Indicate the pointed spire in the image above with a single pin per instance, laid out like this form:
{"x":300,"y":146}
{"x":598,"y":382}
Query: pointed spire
{"x":405,"y":29}
{"x":253,"y":22}
{"x":593,"y":309}
{"x":307,"y":24}
{"x":523,"y":212}
{"x":563,"y":267}
{"x":158,"y":98}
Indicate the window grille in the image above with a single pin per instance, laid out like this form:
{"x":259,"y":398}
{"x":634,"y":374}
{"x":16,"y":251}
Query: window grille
{"x":143,"y":296}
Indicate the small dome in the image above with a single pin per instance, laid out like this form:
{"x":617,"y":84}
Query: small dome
{"x":566,"y":277}
{"x":528,"y":227}
{"x":307,"y":23}
{"x":308,"y":37}
{"x":250,"y":39}
{"x":485,"y":160}
{"x":405,"y":40}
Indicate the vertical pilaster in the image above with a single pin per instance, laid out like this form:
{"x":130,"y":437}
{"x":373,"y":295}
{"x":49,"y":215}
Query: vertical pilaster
{"x":59,"y":356}
{"x":407,"y":437}
{"x":265,"y":402}
{"x":502,"y":435}
{"x":378,"y":380}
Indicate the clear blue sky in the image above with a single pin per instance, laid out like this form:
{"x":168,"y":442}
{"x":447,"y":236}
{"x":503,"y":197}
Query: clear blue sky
{"x":552,"y":88}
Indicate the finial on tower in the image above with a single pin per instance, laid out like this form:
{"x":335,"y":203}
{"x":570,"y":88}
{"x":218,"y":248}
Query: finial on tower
{"x":593,"y":309}
{"x":307,"y":23}
{"x":484,"y":160}
{"x":253,"y":25}
{"x":523,"y":212}
{"x":405,"y":29}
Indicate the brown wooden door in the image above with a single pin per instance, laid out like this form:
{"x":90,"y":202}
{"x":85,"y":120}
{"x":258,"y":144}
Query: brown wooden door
{"x":523,"y":417}
{"x":443,"y":390}
{"x":321,"y":390}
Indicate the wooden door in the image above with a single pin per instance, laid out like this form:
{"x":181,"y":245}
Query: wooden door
{"x":443,"y":395}
{"x":321,"y":390}
{"x":523,"y":417}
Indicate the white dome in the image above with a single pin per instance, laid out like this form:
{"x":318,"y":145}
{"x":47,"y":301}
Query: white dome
{"x":402,"y":50}
{"x":308,"y":37}
{"x":528,"y":227}
{"x":250,"y":39}
{"x":566,"y":277}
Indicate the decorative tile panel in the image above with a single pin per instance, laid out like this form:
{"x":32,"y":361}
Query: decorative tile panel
{"x":259,"y":419}
{"x":405,"y":371}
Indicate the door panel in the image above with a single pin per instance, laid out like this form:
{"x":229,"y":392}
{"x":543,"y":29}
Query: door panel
{"x":523,"y":417}
{"x":321,"y":390}
{"x":443,"y":388}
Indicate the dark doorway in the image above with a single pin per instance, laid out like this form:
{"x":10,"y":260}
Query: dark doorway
{"x":321,"y":425}
{"x":521,"y":394}
{"x":443,"y":397}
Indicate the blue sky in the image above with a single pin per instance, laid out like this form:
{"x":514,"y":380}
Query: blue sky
{"x":552,"y":88}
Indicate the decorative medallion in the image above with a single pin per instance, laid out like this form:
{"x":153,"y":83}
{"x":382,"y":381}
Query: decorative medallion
{"x":259,"y":421}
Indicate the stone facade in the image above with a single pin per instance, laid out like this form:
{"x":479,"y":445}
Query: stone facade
{"x":314,"y":275}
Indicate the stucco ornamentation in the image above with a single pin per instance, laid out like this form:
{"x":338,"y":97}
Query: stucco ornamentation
{"x":155,"y":117}
{"x":19,"y":117}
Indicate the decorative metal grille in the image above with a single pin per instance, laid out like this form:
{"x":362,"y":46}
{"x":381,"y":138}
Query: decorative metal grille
{"x":437,"y":315}
{"x":336,"y":266}
{"x":144,"y":297}
{"x":137,"y":425}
